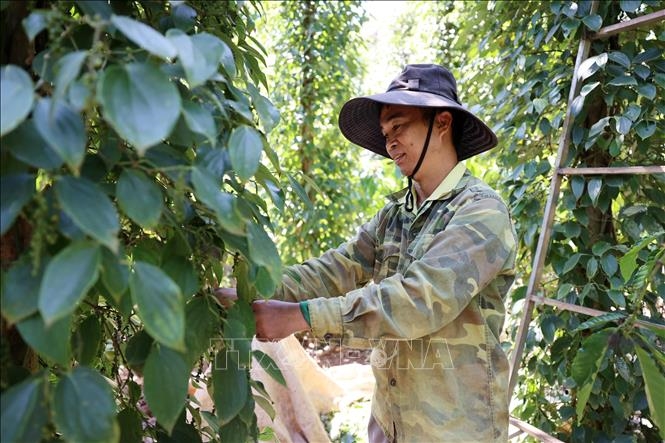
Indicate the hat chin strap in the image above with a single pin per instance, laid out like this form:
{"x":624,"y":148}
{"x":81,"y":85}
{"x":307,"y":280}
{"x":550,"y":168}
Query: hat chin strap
{"x":410,"y":201}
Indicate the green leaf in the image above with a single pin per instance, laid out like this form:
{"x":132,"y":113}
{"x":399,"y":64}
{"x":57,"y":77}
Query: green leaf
{"x":231,"y":386}
{"x":63,"y":129}
{"x":84,"y":408}
{"x":586,"y":364}
{"x":144,"y":36}
{"x":131,"y":426}
{"x":16,"y":97}
{"x":245,"y":147}
{"x":49,"y":341}
{"x":601,"y":247}
{"x":577,"y":184}
{"x":591,"y":65}
{"x":647,"y":90}
{"x":207,"y":190}
{"x":620,"y":58}
{"x":160,"y":304}
{"x":609,"y":264}
{"x":140,"y":198}
{"x":202,"y":324}
{"x":648,"y":55}
{"x":623,"y":80}
{"x":263,"y":251}
{"x":20,"y":290}
{"x":90,"y":209}
{"x":140,"y":103}
{"x":628,"y":263}
{"x":617,"y":298}
{"x":630,"y":6}
{"x":654,"y":385}
{"x":24,"y":411}
{"x":138,"y":349}
{"x":593,"y":21}
{"x":268,"y":113}
{"x":645,"y":129}
{"x":183,"y":274}
{"x":269,"y":365}
{"x":15,"y":191}
{"x":594,"y":187}
{"x":200,"y":55}
{"x":67,"y":69}
{"x":623,"y":125}
{"x":67,"y":279}
{"x":115,"y":275}
{"x":600,"y":320}
{"x":165,"y":380}
{"x":95,"y":8}
{"x":35,"y":23}
{"x":26,"y":144}
{"x":591,"y":268}
{"x":199,"y":120}
{"x":571,"y":263}
{"x":87,"y":340}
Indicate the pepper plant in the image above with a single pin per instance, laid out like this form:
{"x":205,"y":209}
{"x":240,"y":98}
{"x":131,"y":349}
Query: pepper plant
{"x":132,"y":142}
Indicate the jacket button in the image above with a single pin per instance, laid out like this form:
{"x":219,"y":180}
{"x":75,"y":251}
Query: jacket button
{"x":393,"y":382}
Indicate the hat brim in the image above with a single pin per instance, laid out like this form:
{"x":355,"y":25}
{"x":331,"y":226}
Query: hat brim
{"x":359,"y":121}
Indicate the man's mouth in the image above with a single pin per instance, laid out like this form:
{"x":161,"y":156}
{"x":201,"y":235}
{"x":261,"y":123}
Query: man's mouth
{"x":398,"y":158}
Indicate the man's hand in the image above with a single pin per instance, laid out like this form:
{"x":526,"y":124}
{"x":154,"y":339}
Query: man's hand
{"x":226,"y":296}
{"x":276,"y":320}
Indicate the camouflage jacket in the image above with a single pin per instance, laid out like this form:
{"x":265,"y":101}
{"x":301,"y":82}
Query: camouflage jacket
{"x":426,"y":291}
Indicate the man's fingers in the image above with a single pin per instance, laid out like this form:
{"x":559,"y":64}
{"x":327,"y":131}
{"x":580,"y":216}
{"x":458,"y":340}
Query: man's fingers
{"x":226,"y":296}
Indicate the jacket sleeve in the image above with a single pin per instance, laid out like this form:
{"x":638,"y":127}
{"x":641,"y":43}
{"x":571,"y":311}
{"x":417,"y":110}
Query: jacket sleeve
{"x":336,"y":272}
{"x":476,"y":247}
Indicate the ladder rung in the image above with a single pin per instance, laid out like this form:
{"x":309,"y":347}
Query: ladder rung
{"x":613,"y":170}
{"x":588,"y":311}
{"x":533,"y":431}
{"x":628,"y":25}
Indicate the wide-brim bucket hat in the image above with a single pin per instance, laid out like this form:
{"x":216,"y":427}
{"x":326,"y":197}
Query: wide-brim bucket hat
{"x":422,"y":85}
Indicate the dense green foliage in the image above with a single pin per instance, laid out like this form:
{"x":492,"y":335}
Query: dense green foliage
{"x":582,"y":379}
{"x":134,"y":180}
{"x":132,"y":138}
{"x":316,"y":49}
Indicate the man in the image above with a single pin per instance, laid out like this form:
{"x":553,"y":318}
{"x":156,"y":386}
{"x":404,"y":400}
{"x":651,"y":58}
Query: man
{"x":424,"y":281}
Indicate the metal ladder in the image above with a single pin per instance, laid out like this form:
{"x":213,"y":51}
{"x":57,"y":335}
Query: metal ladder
{"x":531,"y":298}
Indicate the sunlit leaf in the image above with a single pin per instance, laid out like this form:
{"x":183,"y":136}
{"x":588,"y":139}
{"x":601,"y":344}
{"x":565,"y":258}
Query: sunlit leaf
{"x":140,"y":103}
{"x":245,"y":148}
{"x":654,"y":384}
{"x":160,"y":304}
{"x":144,"y":36}
{"x":586,"y":364}
{"x":16,"y":97}
{"x":67,"y":279}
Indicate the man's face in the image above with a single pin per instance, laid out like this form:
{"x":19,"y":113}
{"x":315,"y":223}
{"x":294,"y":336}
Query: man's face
{"x":405,"y":131}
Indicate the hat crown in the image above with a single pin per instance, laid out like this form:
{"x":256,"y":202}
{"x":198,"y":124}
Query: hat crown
{"x":433,"y":79}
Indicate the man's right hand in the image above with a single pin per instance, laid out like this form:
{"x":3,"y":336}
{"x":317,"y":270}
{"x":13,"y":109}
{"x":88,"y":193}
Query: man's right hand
{"x":226,"y":296}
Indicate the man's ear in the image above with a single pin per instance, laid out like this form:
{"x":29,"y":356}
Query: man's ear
{"x":444,"y":120}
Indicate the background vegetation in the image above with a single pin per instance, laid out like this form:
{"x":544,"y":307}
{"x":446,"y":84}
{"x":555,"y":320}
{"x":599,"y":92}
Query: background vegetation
{"x":144,"y":162}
